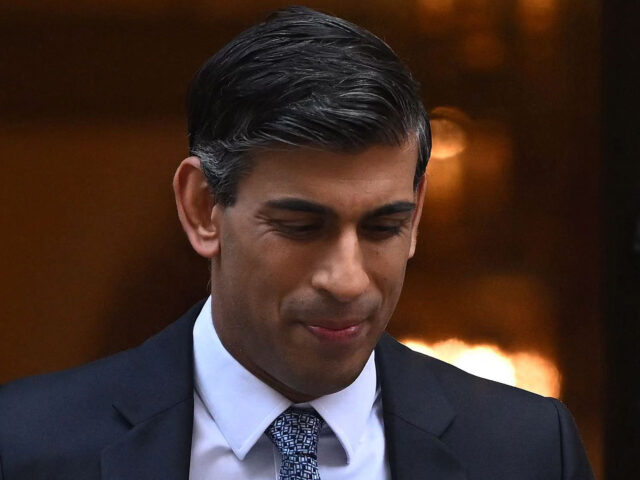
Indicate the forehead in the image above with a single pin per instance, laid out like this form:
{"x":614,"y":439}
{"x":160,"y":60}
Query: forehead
{"x":378,"y":174}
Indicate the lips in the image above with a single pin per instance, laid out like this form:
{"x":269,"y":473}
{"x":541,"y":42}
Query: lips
{"x":335,"y":324}
{"x":336,"y":331}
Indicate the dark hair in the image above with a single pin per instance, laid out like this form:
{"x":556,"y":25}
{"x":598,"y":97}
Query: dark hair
{"x":301,"y":78}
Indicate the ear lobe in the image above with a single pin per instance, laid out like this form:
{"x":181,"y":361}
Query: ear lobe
{"x":197,"y":210}
{"x":417,"y":214}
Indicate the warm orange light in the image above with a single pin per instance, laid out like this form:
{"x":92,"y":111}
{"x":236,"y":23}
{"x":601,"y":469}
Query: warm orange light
{"x":436,"y":15}
{"x":536,"y":374}
{"x":449,"y":138}
{"x":537,"y":16}
{"x":444,"y":181}
{"x":526,"y":370}
{"x":449,"y":141}
{"x":437,"y":6}
{"x":487,"y":361}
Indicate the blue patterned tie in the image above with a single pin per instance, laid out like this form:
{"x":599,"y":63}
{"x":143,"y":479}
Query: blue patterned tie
{"x":295,"y":434}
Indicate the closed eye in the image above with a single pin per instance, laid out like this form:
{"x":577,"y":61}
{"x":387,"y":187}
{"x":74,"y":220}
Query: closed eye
{"x":298,"y":229}
{"x":381,"y":231}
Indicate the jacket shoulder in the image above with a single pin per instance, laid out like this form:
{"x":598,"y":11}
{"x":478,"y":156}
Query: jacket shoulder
{"x":462,"y":389}
{"x":495,"y":427}
{"x":56,"y":421}
{"x":60,"y":420}
{"x":512,"y":426}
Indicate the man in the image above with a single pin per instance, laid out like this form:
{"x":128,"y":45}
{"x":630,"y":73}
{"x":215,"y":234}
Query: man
{"x":304,"y":189}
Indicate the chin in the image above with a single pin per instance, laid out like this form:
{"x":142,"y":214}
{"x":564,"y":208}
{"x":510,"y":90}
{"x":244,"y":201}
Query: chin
{"x":319,"y":385}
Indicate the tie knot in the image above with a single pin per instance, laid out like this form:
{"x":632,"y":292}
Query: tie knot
{"x":296,"y":431}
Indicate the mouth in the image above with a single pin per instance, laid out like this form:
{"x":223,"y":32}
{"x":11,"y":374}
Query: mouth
{"x":340,"y":332}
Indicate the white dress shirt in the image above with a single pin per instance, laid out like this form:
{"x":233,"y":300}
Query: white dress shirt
{"x":233,"y":408}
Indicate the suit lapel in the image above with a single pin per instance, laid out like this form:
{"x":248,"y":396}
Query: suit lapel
{"x":157,"y":448}
{"x":156,"y":400}
{"x":416,"y":415}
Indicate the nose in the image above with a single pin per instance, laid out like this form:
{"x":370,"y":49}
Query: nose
{"x":342,"y":273}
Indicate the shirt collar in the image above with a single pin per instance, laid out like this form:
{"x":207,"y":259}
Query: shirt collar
{"x":243,"y":406}
{"x":347,"y":411}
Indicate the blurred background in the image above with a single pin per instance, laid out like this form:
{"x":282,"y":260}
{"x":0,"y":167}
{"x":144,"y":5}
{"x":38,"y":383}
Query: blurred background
{"x":528,"y":267}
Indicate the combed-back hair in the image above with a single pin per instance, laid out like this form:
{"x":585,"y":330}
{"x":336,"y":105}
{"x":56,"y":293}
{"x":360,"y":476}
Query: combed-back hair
{"x":301,"y":78}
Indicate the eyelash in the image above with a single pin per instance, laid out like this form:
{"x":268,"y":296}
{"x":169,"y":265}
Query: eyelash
{"x":308,"y":230}
{"x":393,"y":230}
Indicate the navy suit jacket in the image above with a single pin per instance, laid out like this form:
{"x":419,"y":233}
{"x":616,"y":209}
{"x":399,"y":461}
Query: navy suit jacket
{"x":130,"y":416}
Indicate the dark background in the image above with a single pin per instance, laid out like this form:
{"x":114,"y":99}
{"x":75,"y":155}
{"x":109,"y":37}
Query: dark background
{"x":620,"y":207}
{"x":528,"y":231}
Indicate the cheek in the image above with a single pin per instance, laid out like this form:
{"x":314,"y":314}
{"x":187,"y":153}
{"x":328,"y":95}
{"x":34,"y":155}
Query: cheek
{"x":388,"y":264}
{"x":267,"y":270}
{"x":288,"y":263}
{"x":387,"y":272}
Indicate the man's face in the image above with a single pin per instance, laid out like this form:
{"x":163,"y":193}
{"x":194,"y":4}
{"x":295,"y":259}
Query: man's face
{"x":311,"y":263}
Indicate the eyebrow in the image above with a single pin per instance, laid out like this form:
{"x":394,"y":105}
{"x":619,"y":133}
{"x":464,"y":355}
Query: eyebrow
{"x":392,"y":208}
{"x":297,"y":205}
{"x":300,"y":205}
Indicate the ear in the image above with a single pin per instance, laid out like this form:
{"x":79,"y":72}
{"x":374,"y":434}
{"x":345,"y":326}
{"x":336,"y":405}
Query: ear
{"x":417,"y":214}
{"x":199,"y":214}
